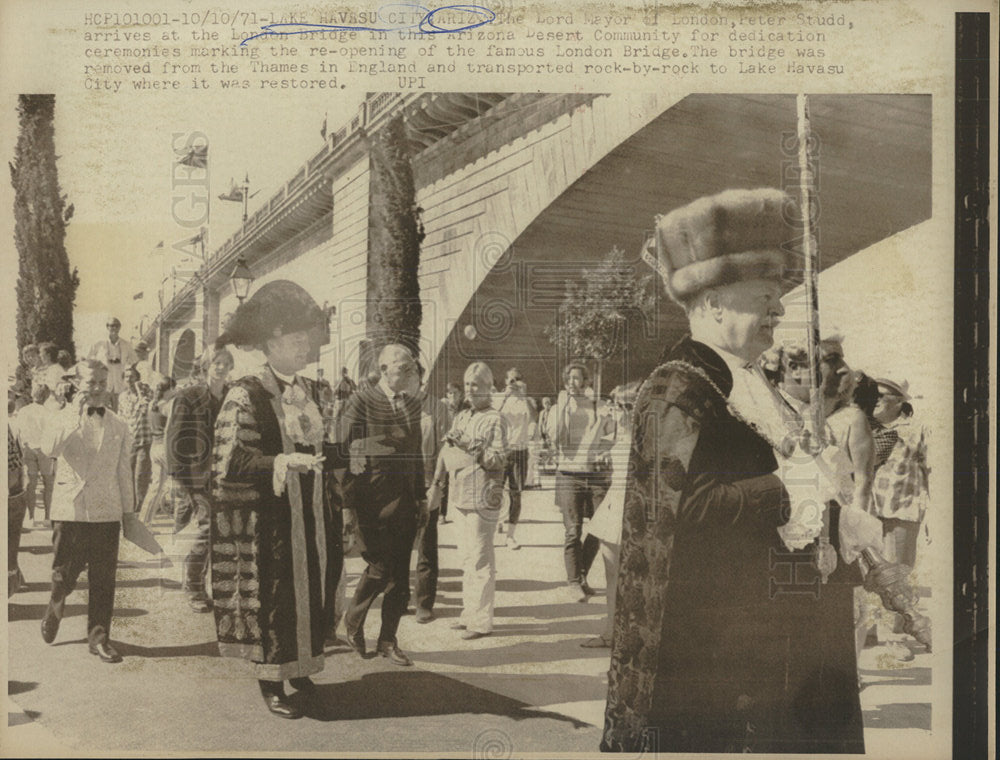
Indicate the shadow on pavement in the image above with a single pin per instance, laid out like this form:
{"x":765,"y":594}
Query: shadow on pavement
{"x":206,"y":649}
{"x":515,"y":654}
{"x":398,"y":694}
{"x":150,"y":564}
{"x":20,"y":687}
{"x":551,"y":611}
{"x":517,"y":585}
{"x":586,"y":628}
{"x":900,"y":677}
{"x":899,"y":715}
{"x":18,"y":612}
{"x":148,"y":583}
{"x":45,"y":549}
{"x":541,"y":689}
{"x":22,"y":718}
{"x":28,"y":587}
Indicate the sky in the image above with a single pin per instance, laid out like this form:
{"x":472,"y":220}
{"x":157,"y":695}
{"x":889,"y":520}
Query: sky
{"x":117,"y":167}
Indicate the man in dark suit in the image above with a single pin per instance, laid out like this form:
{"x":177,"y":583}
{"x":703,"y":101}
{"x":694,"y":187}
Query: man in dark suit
{"x":188,"y":437}
{"x":383,"y":482}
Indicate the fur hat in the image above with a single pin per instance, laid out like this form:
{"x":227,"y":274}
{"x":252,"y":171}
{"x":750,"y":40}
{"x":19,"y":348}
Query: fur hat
{"x":719,"y":239}
{"x":277,"y":308}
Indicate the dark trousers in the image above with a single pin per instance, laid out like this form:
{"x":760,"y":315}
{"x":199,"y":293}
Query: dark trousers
{"x":16,"y":506}
{"x":387,"y":552}
{"x":334,"y":567}
{"x":577,"y":494}
{"x":79,"y":545}
{"x":444,"y":495}
{"x":514,"y":477}
{"x":427,"y":563}
{"x":193,"y":504}
{"x":142,"y":471}
{"x":901,"y":538}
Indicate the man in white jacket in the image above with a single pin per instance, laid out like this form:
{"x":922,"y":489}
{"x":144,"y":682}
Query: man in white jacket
{"x":115,"y":354}
{"x":93,"y":490}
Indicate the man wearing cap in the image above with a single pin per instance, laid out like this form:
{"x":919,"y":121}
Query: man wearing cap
{"x":116,"y":354}
{"x":901,"y":484}
{"x":715,"y":647}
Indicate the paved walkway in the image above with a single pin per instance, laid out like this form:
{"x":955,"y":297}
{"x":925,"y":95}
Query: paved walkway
{"x":529,"y":687}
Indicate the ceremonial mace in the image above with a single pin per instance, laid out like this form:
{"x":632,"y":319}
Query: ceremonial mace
{"x":890,"y":580}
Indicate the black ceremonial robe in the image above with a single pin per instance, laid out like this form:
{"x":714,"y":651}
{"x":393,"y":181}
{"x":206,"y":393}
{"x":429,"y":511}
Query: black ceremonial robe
{"x":724,"y":641}
{"x":269,"y":553}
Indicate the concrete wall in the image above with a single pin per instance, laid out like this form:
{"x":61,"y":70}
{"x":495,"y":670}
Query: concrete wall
{"x":475,"y":214}
{"x":329,"y":260}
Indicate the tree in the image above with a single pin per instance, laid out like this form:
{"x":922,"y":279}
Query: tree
{"x":394,"y":237}
{"x":590,"y":322}
{"x":46,"y":288}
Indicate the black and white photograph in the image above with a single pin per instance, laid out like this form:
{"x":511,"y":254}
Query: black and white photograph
{"x":494,"y":381}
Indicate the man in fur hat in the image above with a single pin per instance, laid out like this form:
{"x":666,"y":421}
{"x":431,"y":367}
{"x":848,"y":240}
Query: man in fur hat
{"x":716,"y":648}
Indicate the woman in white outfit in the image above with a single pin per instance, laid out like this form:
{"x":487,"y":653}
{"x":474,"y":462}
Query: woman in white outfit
{"x":475,"y":456}
{"x":606,"y":524}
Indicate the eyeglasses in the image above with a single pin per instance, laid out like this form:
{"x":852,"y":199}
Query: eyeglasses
{"x":514,"y":379}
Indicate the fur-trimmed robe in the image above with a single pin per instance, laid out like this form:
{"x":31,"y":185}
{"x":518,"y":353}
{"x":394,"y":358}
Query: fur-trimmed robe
{"x":715,"y":648}
{"x":269,"y":553}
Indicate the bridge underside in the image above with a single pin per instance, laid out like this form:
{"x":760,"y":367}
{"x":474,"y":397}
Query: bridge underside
{"x":874,"y":181}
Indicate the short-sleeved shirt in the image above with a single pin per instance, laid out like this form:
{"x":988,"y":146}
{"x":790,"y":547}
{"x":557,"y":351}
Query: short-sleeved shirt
{"x":134,"y":408}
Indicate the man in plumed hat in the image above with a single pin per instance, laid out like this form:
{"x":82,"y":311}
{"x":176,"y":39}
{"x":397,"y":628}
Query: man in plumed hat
{"x":716,"y":648}
{"x":272,"y":563}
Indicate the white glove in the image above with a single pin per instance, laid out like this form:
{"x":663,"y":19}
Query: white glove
{"x":296,"y":462}
{"x":809,"y":485}
{"x":858,"y":531}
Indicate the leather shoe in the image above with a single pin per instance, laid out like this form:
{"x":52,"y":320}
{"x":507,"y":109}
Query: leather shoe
{"x":105,"y":651}
{"x":200,"y":605}
{"x":586,"y":588}
{"x":576,"y":593}
{"x":279,"y":705}
{"x":424,"y":616}
{"x":390,"y":650}
{"x":50,"y":626}
{"x":302,"y":684}
{"x":357,"y":642}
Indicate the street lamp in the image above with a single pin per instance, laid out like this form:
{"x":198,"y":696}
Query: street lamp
{"x":242,"y":279}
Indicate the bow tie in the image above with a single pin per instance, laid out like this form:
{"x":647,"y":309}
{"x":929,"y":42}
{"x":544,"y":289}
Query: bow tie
{"x":98,"y":410}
